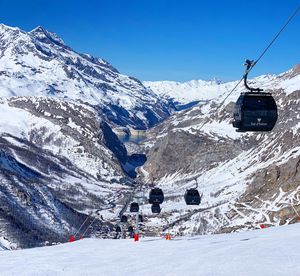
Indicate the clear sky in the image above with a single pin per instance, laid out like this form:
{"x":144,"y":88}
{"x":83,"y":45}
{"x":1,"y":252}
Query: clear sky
{"x":168,"y":39}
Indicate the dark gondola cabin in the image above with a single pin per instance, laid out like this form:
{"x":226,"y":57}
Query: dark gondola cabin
{"x":130,"y":229}
{"x":156,"y":195}
{"x":124,"y":219}
{"x":255,"y":111}
{"x":192,"y":197}
{"x":134,"y":207}
{"x":118,"y":229}
{"x":155,"y":208}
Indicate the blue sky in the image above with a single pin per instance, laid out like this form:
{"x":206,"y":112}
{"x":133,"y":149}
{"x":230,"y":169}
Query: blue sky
{"x":168,"y":40}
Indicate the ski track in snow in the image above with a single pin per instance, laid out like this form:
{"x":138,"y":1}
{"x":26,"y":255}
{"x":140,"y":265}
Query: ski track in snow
{"x":271,"y":251}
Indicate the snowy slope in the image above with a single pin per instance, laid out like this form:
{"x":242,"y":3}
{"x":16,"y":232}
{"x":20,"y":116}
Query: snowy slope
{"x":39,"y":63}
{"x":271,"y":252}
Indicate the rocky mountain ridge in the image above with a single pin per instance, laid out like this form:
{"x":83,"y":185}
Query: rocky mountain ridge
{"x":39,"y":63}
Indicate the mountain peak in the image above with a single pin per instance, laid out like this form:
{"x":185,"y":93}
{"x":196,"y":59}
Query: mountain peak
{"x":43,"y":35}
{"x":4,"y":28}
{"x":39,"y":29}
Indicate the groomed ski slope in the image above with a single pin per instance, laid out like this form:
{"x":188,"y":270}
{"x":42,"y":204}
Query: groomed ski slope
{"x":273,"y":251}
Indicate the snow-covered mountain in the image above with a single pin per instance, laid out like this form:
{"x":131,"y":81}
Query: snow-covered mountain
{"x":183,"y":93}
{"x":60,"y":159}
{"x":247,"y":179}
{"x":190,"y":91}
{"x":39,"y":63}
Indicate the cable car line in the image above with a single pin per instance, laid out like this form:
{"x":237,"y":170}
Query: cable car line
{"x":87,"y":228}
{"x":292,"y":16}
{"x":86,"y":219}
{"x":277,"y":35}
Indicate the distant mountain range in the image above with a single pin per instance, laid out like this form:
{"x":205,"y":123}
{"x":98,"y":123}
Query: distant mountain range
{"x":190,"y":91}
{"x":201,"y":90}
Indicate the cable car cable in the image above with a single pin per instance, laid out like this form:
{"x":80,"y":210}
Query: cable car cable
{"x":77,"y":232}
{"x":276,"y":36}
{"x":292,"y":16}
{"x":87,"y":228}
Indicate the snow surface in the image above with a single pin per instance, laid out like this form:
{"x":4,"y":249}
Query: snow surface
{"x":271,"y":251}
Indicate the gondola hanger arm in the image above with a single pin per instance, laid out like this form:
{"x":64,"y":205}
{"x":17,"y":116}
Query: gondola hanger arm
{"x":249,"y":65}
{"x":196,"y":180}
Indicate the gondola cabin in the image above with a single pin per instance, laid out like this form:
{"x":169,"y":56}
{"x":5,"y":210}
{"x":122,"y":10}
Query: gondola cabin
{"x":130,"y":229}
{"x":255,"y":111}
{"x":124,"y":219}
{"x":156,"y":195}
{"x":118,"y":229}
{"x":192,"y":197}
{"x":155,"y":208}
{"x":134,"y":207}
